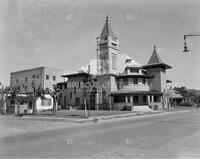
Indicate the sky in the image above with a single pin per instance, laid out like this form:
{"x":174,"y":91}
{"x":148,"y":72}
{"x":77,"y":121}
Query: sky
{"x":62,"y":34}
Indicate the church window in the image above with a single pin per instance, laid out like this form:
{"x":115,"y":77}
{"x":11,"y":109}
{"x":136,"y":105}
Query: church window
{"x":114,"y":58}
{"x":104,"y":96}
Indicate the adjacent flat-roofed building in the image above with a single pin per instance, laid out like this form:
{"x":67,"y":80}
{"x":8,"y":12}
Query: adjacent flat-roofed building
{"x":45,"y":77}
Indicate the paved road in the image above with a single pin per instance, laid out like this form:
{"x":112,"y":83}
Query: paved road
{"x":174,"y":135}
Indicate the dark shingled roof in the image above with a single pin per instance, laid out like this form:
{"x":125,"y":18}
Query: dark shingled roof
{"x":155,"y":61}
{"x":107,"y":30}
{"x":154,"y":57}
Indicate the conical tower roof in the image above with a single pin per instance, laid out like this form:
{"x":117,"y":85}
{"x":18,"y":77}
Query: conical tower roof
{"x":155,"y":57}
{"x":155,"y":61}
{"x":107,"y":30}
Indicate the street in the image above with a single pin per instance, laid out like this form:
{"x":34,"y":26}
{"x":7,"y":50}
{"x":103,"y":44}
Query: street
{"x":170,"y":135}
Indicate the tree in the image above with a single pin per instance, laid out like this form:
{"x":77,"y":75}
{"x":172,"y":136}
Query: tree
{"x":2,"y":101}
{"x":182,"y":91}
{"x":15,"y":91}
{"x":37,"y":93}
{"x":55,"y":94}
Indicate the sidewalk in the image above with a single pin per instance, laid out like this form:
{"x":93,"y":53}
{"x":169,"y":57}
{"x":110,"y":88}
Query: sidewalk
{"x":102,"y":118}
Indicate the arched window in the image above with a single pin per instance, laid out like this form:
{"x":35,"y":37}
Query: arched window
{"x":103,"y":96}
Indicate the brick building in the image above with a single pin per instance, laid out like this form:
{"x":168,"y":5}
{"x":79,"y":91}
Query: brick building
{"x":44,"y":77}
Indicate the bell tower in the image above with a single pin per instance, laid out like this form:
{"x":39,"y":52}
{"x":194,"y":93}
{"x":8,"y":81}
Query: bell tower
{"x":107,"y":51}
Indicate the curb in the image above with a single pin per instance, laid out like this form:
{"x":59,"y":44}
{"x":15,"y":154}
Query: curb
{"x":102,"y":118}
{"x":142,"y":114}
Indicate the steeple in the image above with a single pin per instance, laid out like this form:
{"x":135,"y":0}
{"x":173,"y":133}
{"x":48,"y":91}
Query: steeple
{"x":107,"y":51}
{"x":155,"y":61}
{"x":107,"y":30}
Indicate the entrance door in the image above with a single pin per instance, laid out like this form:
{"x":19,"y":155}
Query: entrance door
{"x":93,"y":99}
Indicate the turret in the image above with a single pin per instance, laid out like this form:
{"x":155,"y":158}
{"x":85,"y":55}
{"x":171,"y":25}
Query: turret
{"x":157,"y":69}
{"x":107,"y":51}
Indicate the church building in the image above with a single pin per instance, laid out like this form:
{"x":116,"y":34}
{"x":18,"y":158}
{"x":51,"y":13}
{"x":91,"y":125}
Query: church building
{"x":116,"y":81}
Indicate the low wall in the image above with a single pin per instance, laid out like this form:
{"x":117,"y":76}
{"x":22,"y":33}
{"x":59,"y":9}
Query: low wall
{"x":122,"y":106}
{"x":155,"y":105}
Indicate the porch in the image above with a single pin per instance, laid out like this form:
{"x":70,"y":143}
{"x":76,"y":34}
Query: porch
{"x":136,"y":100}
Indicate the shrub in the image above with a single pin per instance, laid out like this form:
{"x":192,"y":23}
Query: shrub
{"x":155,"y":107}
{"x":126,"y":108}
{"x":187,"y":103}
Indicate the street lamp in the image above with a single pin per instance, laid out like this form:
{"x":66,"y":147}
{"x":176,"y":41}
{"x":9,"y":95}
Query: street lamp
{"x":185,"y":43}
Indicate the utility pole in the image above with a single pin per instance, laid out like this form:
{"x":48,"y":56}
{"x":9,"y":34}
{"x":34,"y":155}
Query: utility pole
{"x":86,"y":90}
{"x":85,"y":97}
{"x":89,"y":89}
{"x":185,"y":43}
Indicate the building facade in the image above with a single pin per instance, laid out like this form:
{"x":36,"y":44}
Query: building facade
{"x":29,"y":81}
{"x":119,"y":83}
{"x":43,"y":77}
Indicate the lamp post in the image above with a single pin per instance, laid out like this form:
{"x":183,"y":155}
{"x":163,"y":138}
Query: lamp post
{"x":185,"y":43}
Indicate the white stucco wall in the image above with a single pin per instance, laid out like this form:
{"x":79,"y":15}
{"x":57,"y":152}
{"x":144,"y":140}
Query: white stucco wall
{"x":39,"y":103}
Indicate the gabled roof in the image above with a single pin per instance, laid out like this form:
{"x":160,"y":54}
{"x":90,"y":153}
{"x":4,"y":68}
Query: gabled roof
{"x":126,"y":61}
{"x":173,"y":94}
{"x":107,"y":30}
{"x":155,"y":61}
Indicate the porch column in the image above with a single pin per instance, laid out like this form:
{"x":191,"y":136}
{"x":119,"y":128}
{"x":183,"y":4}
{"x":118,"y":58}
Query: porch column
{"x":175,"y":102}
{"x":131,"y":99}
{"x":148,"y":99}
{"x":126,"y":99}
{"x":97,"y":101}
{"x":152,"y":98}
